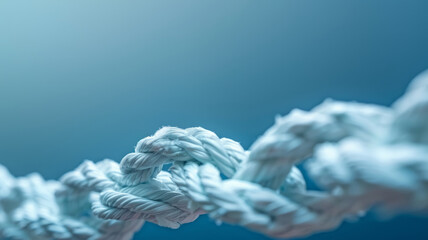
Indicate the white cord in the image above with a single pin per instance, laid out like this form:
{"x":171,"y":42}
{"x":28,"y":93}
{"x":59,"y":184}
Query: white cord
{"x":361,"y":155}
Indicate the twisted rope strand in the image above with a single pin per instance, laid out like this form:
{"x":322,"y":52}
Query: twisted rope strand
{"x":360,"y":154}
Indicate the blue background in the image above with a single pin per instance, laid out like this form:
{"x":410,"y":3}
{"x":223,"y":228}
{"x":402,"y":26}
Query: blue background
{"x":87,"y":79}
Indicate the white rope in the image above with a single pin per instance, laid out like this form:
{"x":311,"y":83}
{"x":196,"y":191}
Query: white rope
{"x":361,"y":155}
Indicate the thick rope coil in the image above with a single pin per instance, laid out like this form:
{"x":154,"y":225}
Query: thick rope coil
{"x":395,"y":166}
{"x":143,"y":191}
{"x":294,"y":137}
{"x":362,"y":155}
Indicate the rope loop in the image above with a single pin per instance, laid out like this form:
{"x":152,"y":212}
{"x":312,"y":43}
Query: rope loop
{"x":360,"y":155}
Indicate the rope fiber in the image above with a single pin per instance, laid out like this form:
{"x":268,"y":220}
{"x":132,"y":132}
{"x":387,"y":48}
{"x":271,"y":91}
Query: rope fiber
{"x":361,"y":156}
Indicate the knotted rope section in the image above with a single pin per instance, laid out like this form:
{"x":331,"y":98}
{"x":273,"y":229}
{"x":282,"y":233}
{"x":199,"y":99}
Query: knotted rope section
{"x":361,"y":155}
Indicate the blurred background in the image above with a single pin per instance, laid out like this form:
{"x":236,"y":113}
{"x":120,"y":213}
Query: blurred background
{"x":87,"y":79}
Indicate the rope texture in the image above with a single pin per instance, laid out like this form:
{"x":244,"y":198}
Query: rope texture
{"x":361,"y":155}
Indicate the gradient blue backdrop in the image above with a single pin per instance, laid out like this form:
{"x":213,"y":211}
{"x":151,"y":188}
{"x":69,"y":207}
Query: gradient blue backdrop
{"x":87,"y":79}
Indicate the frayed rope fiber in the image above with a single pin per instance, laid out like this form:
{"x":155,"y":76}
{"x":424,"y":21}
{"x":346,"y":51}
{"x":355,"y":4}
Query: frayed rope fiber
{"x":360,"y":155}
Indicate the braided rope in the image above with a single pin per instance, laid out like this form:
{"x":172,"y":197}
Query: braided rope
{"x":361,"y":155}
